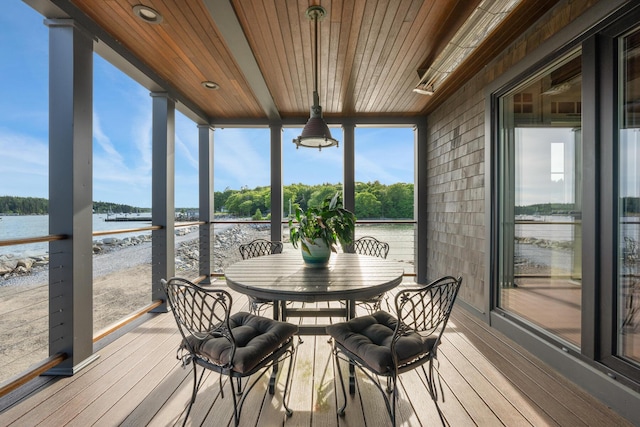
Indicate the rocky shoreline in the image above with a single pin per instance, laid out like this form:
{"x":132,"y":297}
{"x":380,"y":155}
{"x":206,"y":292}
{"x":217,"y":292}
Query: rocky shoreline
{"x":187,"y":250}
{"x":121,"y":285}
{"x":225,"y":247}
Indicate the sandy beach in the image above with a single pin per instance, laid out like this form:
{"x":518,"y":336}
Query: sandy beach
{"x":121,"y":285}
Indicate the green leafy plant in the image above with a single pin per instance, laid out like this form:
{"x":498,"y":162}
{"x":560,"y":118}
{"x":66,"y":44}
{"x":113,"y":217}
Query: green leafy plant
{"x":330,"y":222}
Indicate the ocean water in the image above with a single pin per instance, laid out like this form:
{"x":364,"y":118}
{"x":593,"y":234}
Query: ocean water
{"x":23,"y":226}
{"x":565,"y":229}
{"x":548,"y":227}
{"x":399,"y":236}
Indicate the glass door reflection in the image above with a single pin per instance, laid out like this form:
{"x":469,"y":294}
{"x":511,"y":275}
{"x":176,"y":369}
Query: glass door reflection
{"x":628,"y":312}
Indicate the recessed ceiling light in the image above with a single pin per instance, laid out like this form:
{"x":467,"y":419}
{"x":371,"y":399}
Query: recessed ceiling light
{"x":147,"y":14}
{"x":210,"y":85}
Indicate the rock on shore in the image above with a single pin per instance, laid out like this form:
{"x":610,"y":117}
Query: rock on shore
{"x":225,"y":247}
{"x":187,"y":251}
{"x":10,"y":266}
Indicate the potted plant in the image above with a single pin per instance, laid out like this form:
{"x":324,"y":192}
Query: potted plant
{"x":319,"y":229}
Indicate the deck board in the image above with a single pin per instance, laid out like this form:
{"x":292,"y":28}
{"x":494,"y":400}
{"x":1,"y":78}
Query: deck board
{"x":486,"y":378}
{"x":501,"y":408}
{"x":56,"y":394}
{"x":534,"y":379}
{"x":300,"y":400}
{"x":324,"y":398}
{"x":512,"y":407}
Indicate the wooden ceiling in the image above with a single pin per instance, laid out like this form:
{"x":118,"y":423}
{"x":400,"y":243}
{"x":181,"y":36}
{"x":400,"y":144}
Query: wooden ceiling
{"x":260,"y":52}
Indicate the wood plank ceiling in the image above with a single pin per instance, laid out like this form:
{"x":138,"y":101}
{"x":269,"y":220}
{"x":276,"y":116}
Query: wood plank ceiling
{"x":260,"y":52}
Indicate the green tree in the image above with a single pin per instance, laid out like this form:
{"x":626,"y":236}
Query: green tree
{"x":373,"y":199}
{"x":398,"y":201}
{"x":245,"y":208}
{"x":321,"y":192}
{"x":288,"y":197}
{"x":367,"y":206}
{"x":220,"y":199}
{"x":302,"y":195}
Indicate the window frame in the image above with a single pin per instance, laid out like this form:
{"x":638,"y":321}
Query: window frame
{"x":599,"y":247}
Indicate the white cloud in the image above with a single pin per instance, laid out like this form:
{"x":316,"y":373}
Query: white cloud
{"x":122,"y":170}
{"x":240,"y":159}
{"x":104,"y":141}
{"x":141,"y":137}
{"x":373,"y":169}
{"x":25,"y":165}
{"x":185,"y":151}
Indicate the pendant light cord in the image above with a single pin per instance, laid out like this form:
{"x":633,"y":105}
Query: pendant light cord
{"x":315,"y":70}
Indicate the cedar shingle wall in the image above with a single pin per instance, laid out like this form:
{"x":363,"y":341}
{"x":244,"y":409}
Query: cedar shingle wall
{"x":456,"y":236}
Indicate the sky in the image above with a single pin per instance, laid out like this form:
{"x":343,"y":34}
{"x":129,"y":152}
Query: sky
{"x":544,"y":174}
{"x":122,"y":134}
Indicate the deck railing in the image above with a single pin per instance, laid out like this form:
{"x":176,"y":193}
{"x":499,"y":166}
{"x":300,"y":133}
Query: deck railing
{"x":16,"y":300}
{"x":399,"y":234}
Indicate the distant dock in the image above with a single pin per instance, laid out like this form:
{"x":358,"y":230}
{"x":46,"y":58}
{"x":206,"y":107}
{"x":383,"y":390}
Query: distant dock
{"x":127,"y":218}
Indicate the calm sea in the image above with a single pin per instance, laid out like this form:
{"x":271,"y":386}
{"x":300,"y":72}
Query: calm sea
{"x":566,"y":228}
{"x":400,"y":237}
{"x":22,"y":226}
{"x":547,"y":227}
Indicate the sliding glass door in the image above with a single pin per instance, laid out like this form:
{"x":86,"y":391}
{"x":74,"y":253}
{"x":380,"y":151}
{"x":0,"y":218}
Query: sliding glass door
{"x":628,"y":289}
{"x":540,"y":192}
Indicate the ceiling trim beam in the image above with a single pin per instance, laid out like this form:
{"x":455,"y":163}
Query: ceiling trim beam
{"x":118,"y":55}
{"x":369,"y":121}
{"x":227,"y":22}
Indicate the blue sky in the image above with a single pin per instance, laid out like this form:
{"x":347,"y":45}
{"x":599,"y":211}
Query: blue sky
{"x":122,"y":134}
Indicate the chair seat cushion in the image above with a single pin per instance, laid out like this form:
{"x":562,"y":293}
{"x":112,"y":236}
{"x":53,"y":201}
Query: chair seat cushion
{"x":369,"y":339}
{"x":256,"y":338}
{"x":259,"y":300}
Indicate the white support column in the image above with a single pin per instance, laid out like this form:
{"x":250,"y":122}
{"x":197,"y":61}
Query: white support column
{"x":70,"y":195}
{"x":276,"y":182}
{"x":162,"y":201}
{"x":206,"y":201}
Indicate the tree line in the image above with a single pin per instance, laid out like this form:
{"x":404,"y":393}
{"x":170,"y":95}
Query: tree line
{"x":630,"y":206}
{"x":546,"y":209}
{"x":13,"y":205}
{"x":372,"y":200}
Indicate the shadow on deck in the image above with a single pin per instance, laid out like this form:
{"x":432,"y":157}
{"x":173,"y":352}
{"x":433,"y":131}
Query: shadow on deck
{"x":486,"y":380}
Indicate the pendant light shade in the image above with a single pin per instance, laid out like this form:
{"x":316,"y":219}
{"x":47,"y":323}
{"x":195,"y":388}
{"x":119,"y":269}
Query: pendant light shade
{"x":315,"y":133}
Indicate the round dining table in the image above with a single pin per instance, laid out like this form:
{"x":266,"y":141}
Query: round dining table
{"x":284,"y":277}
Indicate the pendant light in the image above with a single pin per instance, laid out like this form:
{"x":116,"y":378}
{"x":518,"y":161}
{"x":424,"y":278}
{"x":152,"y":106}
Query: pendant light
{"x":315,"y":133}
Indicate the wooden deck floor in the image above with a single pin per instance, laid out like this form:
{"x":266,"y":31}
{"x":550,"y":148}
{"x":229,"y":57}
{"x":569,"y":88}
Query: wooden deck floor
{"x":487,"y":381}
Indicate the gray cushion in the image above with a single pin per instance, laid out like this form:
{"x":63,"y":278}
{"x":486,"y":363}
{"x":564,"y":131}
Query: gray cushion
{"x":256,"y":338}
{"x":369,"y":338}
